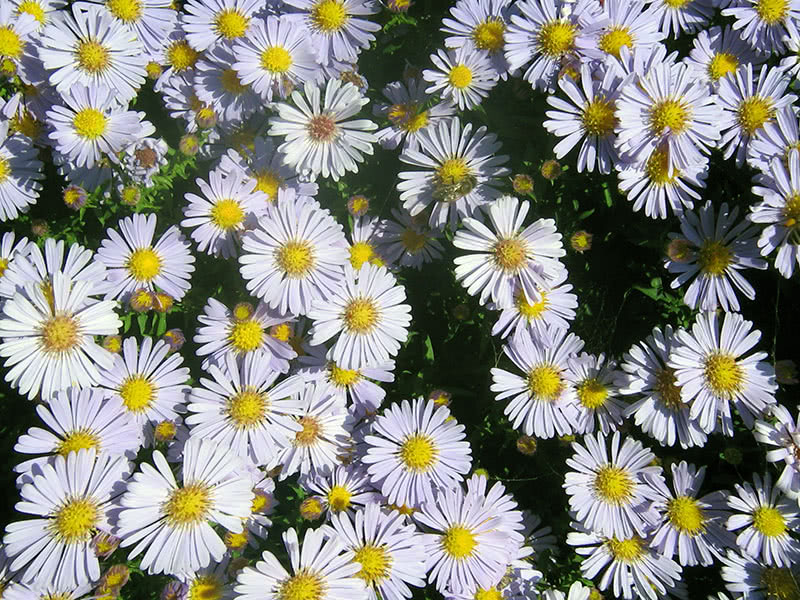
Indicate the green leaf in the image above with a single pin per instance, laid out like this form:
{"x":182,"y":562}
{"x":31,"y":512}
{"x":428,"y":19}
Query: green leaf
{"x":429,"y":349}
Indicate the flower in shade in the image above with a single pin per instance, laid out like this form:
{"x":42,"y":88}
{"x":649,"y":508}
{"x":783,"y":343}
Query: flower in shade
{"x":784,"y":436}
{"x":171,"y":523}
{"x":343,"y":490}
{"x":20,"y":173}
{"x":594,"y":379}
{"x":408,"y":241}
{"x":683,"y":17}
{"x":206,"y":23}
{"x":717,"y":53}
{"x":464,"y":76}
{"x":765,"y":24}
{"x":776,"y":139}
{"x":750,"y":578}
{"x":217,"y":84}
{"x":9,"y":251}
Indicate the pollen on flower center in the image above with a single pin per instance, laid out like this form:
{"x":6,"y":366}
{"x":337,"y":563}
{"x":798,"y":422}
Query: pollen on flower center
{"x":231,"y":83}
{"x":360,"y":316}
{"x":33,"y":8}
{"x":670,"y":114}
{"x":721,"y":65}
{"x":613,"y":484}
{"x":78,"y":439}
{"x":360,"y":252}
{"x":93,"y":57}
{"x":599,"y":117}
{"x":60,"y":334}
{"x":342,"y":377}
{"x":614,"y":39}
{"x":322,"y":128}
{"x":269,"y":182}
{"x":206,"y":587}
{"x":418,"y":453}
{"x":303,"y":586}
{"x":545,"y":383}
{"x":413,"y":240}
{"x":339,"y":498}
{"x":769,"y":521}
{"x":723,"y":374}
{"x":247,"y":408}
{"x":490,"y":594}
{"x":528,"y":310}
{"x":181,"y":55}
{"x":3,"y":261}
{"x":460,"y":76}
{"x":510,"y":254}
{"x":310,"y":432}
{"x":791,"y":210}
{"x":230,"y":24}
{"x":772,"y":11}
{"x":375,"y":562}
{"x":10,"y":43}
{"x":714,"y":258}
{"x":75,"y":520}
{"x":458,"y":542}
{"x":329,"y":16}
{"x":276,"y":59}
{"x":591,"y":393}
{"x":556,"y":38}
{"x":629,"y":551}
{"x":676,"y":4}
{"x":452,"y":171}
{"x":227,"y":214}
{"x":780,"y":583}
{"x":246,"y":335}
{"x":127,"y":11}
{"x":90,"y":123}
{"x":144,"y":264}
{"x":685,"y":515}
{"x":667,"y":391}
{"x":296,"y":258}
{"x":657,"y":168}
{"x":188,"y":505}
{"x":754,"y":112}
{"x":489,"y":35}
{"x":136,"y":393}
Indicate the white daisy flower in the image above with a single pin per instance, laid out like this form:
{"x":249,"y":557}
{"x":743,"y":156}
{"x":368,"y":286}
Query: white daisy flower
{"x":207,"y":23}
{"x":593,"y":378}
{"x":150,"y":20}
{"x":365,"y":233}
{"x":543,"y":402}
{"x":217,"y":84}
{"x":713,"y":372}
{"x":482,"y":24}
{"x":91,"y":48}
{"x":622,"y":23}
{"x":321,"y":570}
{"x":718,"y":52}
{"x":296,"y":254}
{"x":343,"y":490}
{"x":48,"y":340}
{"x":408,"y":242}
{"x":21,"y":591}
{"x":463,"y":76}
{"x":245,"y":409}
{"x":776,"y":139}
{"x":40,"y":10}
{"x":577,"y":591}
{"x":683,"y":17}
{"x":750,"y":578}
{"x":9,"y":253}
{"x":389,"y":551}
{"x":72,"y":498}
{"x":765,"y":25}
{"x":134,"y":262}
{"x":510,"y":258}
{"x":20,"y":173}
{"x":768,"y":518}
{"x":610,"y":493}
{"x":318,"y":138}
{"x":784,"y":434}
{"x":414,"y":450}
{"x":502,"y":505}
{"x":367,"y":316}
{"x":171,"y":523}
{"x":460,"y":172}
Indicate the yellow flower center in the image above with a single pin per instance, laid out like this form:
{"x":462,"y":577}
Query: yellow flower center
{"x":339,"y":498}
{"x":236,"y":541}
{"x":276,"y":59}
{"x":181,"y":56}
{"x":3,"y":261}
{"x":510,"y":254}
{"x":261,"y":502}
{"x":360,"y":316}
{"x":545,"y":383}
{"x":269,"y":182}
{"x":491,"y":594}
{"x":322,"y":128}
{"x":591,"y":393}
{"x":780,"y":583}
{"x":26,"y":124}
{"x":329,"y":16}
{"x":230,"y":24}
{"x":629,"y":551}
{"x":60,"y":334}
{"x":247,"y":409}
{"x":227,"y":214}
{"x":667,"y":391}
{"x":144,"y":264}
{"x":137,"y":393}
{"x":713,"y":258}
{"x":418,"y":453}
{"x":360,"y":252}
{"x":75,"y":520}
{"x":246,"y":335}
{"x":676,"y":4}
{"x":295,"y":258}
{"x":791,"y":211}
{"x":452,"y":171}
{"x":231,"y":83}
{"x":243,"y":311}
{"x":310,"y":432}
{"x":772,"y":11}
{"x":614,"y":39}
{"x":342,"y":377}
{"x":33,"y":8}
{"x":206,"y":587}
{"x":724,"y":376}
{"x":599,"y":117}
{"x":93,"y":57}
{"x":721,"y":65}
{"x":489,"y":35}
{"x":670,"y":114}
{"x":769,"y":521}
{"x":527,"y":310}
{"x":90,"y":123}
{"x":10,"y":43}
{"x":188,"y":505}
{"x":657,"y":168}
{"x":460,"y":76}
{"x":78,"y":439}
{"x":303,"y":586}
{"x":685,"y":515}
{"x":165,"y":430}
{"x":413,"y":240}
{"x":458,"y":542}
{"x":556,"y":38}
{"x":128,"y":11}
{"x":281,"y":332}
{"x":375,"y":563}
{"x":359,"y":204}
{"x":613,"y":484}
{"x":754,"y":112}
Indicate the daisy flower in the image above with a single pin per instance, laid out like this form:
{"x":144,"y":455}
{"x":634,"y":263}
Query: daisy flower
{"x":242,"y":332}
{"x":150,"y":20}
{"x":692,"y":527}
{"x":775,"y":139}
{"x":768,"y":518}
{"x":686,"y":17}
{"x":784,"y":434}
{"x":407,"y":242}
{"x":543,"y":400}
{"x":144,"y":159}
{"x":621,"y":23}
{"x":21,"y":591}
{"x":577,"y":591}
{"x":207,"y":23}
{"x":510,"y":258}
{"x":209,"y":582}
{"x":20,"y":173}
{"x":464,"y":76}
{"x":482,"y":24}
{"x":134,"y":262}
{"x":296,"y":254}
{"x":501,"y":504}
{"x":92,"y":124}
{"x":229,"y":204}
{"x":712,"y":371}
{"x":718,"y":52}
{"x":245,"y":409}
{"x":593,"y":378}
{"x":41,"y":10}
{"x":459,"y":172}
{"x":91,"y":48}
{"x":747,"y":105}
{"x":764,"y":24}
{"x":413,"y":450}
{"x":150,"y":381}
{"x":715,"y":250}
{"x":336,"y":31}
{"x":591,"y":116}
{"x":17,"y":30}
{"x":217,"y":84}
{"x":659,"y":409}
{"x":79,"y":420}
{"x":48,"y":338}
{"x":611,"y":496}
{"x":750,"y":578}
{"x":779,"y":212}
{"x":178,"y":62}
{"x":389,"y":551}
{"x":468,"y":550}
{"x":72,"y":498}
{"x":367,"y":316}
{"x":321,"y":570}
{"x":171,"y":523}
{"x":318,"y":138}
{"x":365,"y":233}
{"x":345,"y":489}
{"x":275,"y":57}
{"x":9,"y":252}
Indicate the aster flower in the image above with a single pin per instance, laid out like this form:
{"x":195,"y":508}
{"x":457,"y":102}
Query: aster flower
{"x":713,"y":372}
{"x":784,"y":434}
{"x":343,"y":490}
{"x":622,"y":23}
{"x":776,"y":139}
{"x":482,"y":24}
{"x":318,"y":138}
{"x":208,"y":23}
{"x":47,"y":339}
{"x":464,"y":76}
{"x":9,"y":252}
{"x":764,"y":25}
{"x":20,"y":173}
{"x":510,"y":258}
{"x":413,"y":450}
{"x":543,"y":400}
{"x":756,"y":580}
{"x":72,"y":498}
{"x":18,"y":29}
{"x":683,"y":18}
{"x":365,"y":233}
{"x":768,"y":518}
{"x":217,"y":84}
{"x":593,"y":378}
{"x":134,"y":262}
{"x":407,"y":241}
{"x":21,"y":591}
{"x":718,"y":52}
{"x":144,"y":159}
{"x":171,"y":523}
{"x":460,"y":171}
{"x":150,"y":20}
{"x":716,"y":250}
{"x":503,"y":506}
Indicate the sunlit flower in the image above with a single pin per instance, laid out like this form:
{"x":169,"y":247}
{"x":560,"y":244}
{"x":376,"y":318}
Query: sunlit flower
{"x":207,"y":23}
{"x":464,"y":76}
{"x":784,"y":434}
